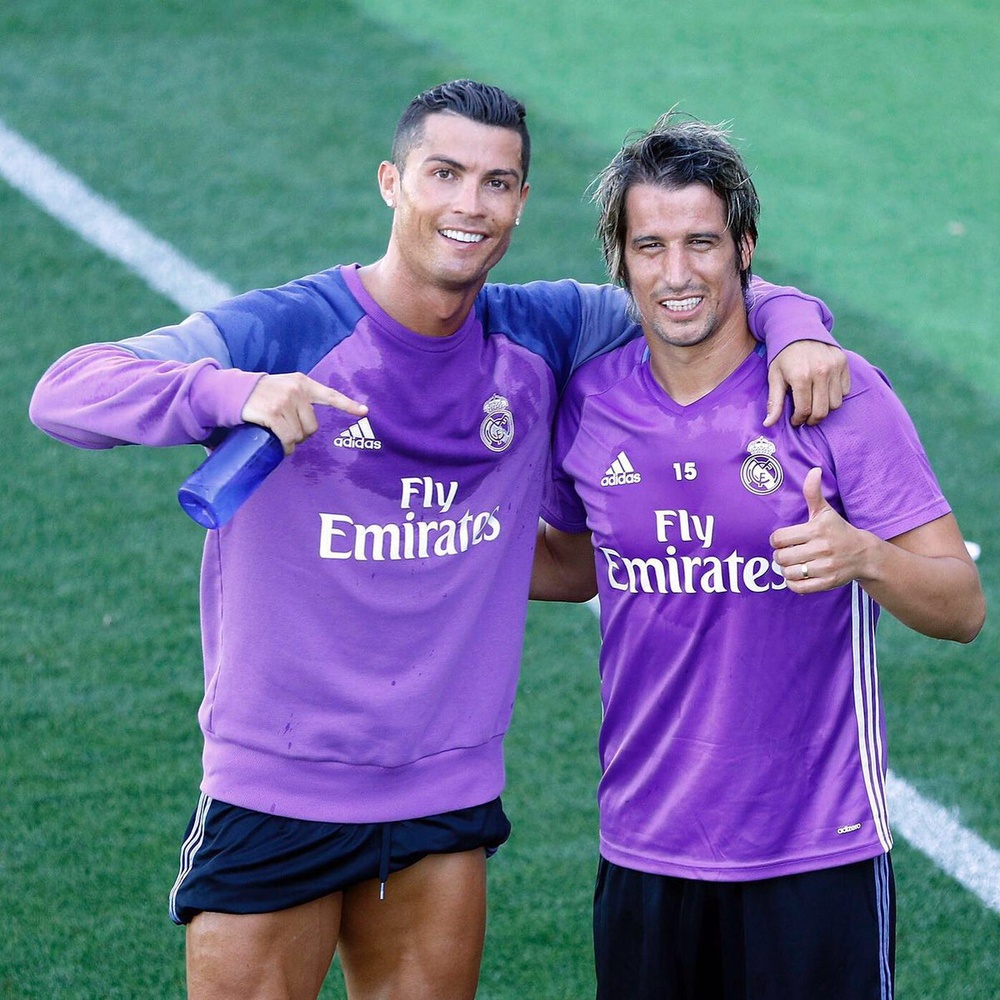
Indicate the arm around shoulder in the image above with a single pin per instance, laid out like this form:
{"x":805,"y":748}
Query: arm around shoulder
{"x":803,"y":357}
{"x":782,"y":314}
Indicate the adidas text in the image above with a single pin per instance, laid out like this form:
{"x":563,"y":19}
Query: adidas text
{"x":368,"y":444}
{"x":621,"y":479}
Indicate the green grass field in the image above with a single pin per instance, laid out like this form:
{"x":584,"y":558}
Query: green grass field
{"x":247,"y":136}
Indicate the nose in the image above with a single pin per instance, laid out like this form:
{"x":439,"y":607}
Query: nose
{"x":675,"y":267}
{"x":469,"y":197}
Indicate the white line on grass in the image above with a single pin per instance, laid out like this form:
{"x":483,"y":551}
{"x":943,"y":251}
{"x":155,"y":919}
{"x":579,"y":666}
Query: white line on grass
{"x":934,"y":831}
{"x":930,"y":828}
{"x":926,"y":825}
{"x":101,"y":224}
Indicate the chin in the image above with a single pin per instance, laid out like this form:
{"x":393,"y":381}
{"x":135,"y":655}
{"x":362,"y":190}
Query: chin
{"x":459,"y":280}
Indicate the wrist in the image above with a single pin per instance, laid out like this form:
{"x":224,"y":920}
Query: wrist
{"x":872,"y":556}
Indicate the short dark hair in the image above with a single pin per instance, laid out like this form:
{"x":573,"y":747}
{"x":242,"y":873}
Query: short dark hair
{"x":677,"y":151}
{"x":478,"y":102}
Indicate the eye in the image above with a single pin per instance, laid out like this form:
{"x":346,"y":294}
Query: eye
{"x":498,"y":184}
{"x":444,"y":173}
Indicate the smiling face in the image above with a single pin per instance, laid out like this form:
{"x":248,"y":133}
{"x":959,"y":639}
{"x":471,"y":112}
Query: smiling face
{"x":682,"y":265}
{"x":456,"y":201}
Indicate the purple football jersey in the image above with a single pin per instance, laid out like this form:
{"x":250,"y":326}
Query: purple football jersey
{"x":743,"y":734}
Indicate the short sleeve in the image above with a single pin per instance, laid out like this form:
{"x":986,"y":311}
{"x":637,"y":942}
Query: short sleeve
{"x":884,"y":478}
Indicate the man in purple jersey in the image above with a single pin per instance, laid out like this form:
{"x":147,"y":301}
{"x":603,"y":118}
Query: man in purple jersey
{"x":363,"y":613}
{"x":744,"y":838}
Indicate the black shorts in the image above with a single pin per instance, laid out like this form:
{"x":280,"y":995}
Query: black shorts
{"x":235,"y":860}
{"x":824,"y":935}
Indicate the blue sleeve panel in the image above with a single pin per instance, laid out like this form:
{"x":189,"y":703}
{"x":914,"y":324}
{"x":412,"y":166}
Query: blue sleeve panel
{"x":290,"y":328}
{"x":564,"y":322}
{"x":306,"y":319}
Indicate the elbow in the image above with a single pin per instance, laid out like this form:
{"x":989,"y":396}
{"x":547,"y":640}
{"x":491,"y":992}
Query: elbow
{"x":36,"y":405}
{"x":965,"y":623}
{"x":580,"y":586}
{"x":582,"y":593}
{"x":48,"y":409}
{"x":39,"y":410}
{"x":973,"y":621}
{"x":562,"y":591}
{"x":565,"y":587}
{"x":49,"y":416}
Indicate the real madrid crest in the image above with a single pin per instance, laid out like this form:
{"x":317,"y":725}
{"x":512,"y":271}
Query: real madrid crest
{"x":760,"y":473}
{"x":497,"y":428}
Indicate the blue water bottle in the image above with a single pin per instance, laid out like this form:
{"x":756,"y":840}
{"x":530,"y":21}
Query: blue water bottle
{"x":216,"y":489}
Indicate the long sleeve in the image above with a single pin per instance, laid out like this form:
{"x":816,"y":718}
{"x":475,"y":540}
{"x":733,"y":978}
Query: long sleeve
{"x":147,"y":390}
{"x":781,"y":314}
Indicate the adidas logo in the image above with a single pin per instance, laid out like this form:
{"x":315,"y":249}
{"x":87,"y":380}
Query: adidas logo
{"x":359,"y":435}
{"x":621,"y":472}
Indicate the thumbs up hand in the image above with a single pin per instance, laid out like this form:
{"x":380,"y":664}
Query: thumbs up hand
{"x":823,"y":552}
{"x":812,"y":490}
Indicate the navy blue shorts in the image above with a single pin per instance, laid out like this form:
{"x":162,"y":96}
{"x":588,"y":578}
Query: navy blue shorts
{"x":235,"y":860}
{"x":824,"y":935}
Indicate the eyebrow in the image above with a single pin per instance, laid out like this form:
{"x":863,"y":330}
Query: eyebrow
{"x":708,"y":235}
{"x":449,"y":162}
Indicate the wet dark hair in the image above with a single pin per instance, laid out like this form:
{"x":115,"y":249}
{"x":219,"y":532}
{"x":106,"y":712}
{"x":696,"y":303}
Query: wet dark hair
{"x":479,"y":102}
{"x":677,"y":151}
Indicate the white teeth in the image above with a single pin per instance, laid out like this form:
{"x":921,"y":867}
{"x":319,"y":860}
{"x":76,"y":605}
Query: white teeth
{"x":457,"y":234}
{"x":680,"y":305}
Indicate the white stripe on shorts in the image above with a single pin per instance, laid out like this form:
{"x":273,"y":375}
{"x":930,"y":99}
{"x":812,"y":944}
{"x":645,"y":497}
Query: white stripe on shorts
{"x":189,"y":849}
{"x":882,"y":902}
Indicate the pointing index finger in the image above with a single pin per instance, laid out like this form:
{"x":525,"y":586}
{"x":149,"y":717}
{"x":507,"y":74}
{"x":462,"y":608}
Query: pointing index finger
{"x":327,"y":396}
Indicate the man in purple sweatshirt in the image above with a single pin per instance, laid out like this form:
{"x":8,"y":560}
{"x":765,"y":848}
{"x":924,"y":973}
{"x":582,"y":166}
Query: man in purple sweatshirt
{"x":363,"y":613}
{"x":744,"y":833}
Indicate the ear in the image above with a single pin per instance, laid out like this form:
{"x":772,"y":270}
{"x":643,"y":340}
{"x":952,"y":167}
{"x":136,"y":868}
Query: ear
{"x":524,"y":197}
{"x":388,"y":182}
{"x":746,"y":253}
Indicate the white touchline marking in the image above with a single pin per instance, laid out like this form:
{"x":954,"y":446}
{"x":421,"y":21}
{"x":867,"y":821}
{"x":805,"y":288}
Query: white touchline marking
{"x":926,"y":825}
{"x":931,"y":829}
{"x":103,"y":225}
{"x":935,"y":832}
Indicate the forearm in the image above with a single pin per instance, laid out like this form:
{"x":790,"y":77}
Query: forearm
{"x":780,"y":315}
{"x":563,"y":568}
{"x":937,"y":595}
{"x":103,"y":395}
{"x":924,"y":576}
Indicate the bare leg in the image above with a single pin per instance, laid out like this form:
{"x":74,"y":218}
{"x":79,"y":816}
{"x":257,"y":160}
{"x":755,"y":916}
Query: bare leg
{"x":263,"y":956}
{"x":424,"y":941}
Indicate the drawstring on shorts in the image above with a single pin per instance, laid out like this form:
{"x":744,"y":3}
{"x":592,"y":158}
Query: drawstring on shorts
{"x":383,"y":861}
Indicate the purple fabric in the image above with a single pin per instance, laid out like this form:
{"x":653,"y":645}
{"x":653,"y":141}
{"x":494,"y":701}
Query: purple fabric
{"x":743,"y":734}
